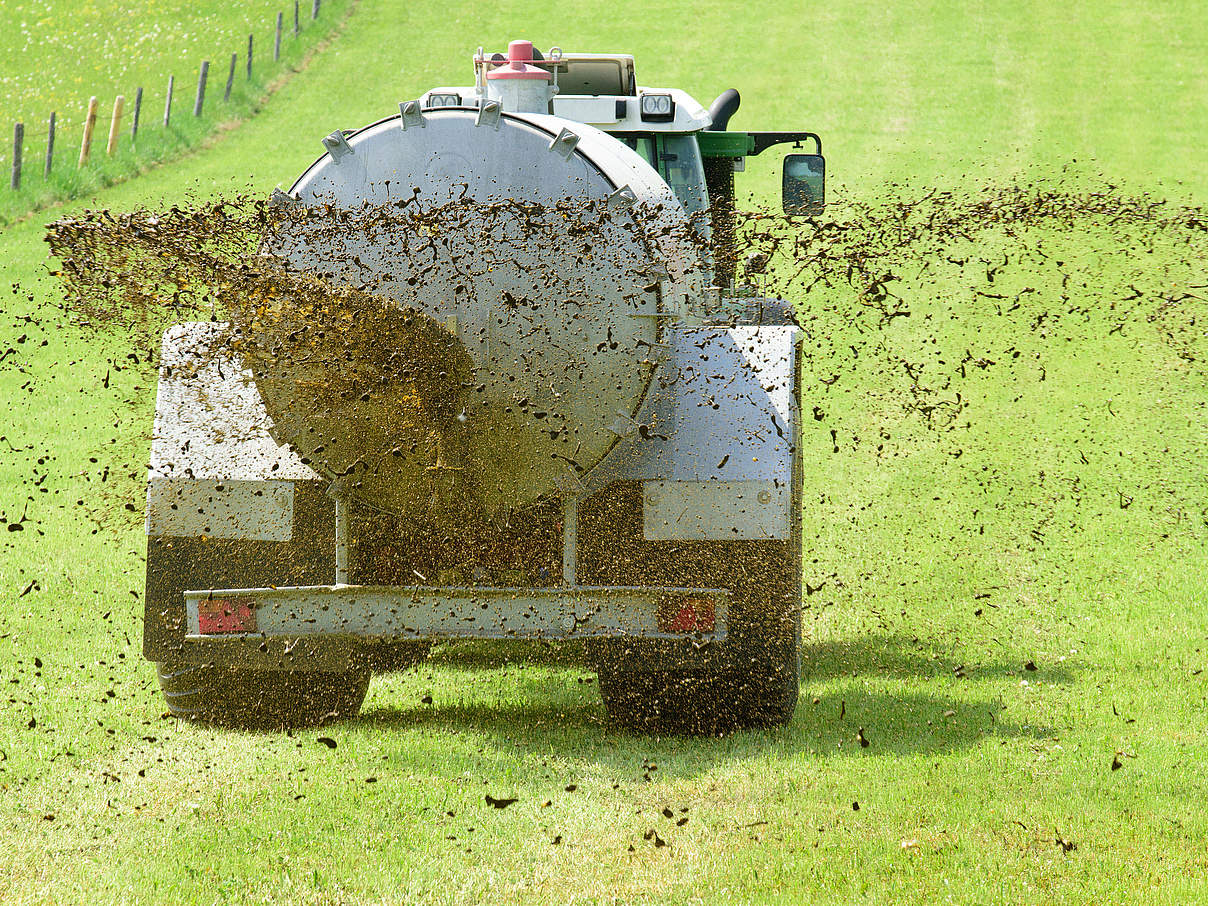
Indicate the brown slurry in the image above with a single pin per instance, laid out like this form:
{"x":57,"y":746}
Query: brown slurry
{"x":854,"y":279}
{"x":327,"y":358}
{"x":360,"y":384}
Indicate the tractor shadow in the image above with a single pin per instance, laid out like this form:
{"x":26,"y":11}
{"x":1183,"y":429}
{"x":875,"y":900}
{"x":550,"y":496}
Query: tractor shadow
{"x":900,"y":656}
{"x":556,"y":710}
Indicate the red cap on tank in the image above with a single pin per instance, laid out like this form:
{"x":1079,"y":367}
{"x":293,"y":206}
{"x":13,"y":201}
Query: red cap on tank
{"x":519,"y":64}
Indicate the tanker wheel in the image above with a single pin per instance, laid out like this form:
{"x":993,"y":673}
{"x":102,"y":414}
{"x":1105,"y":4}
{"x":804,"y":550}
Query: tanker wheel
{"x":761,"y":695}
{"x":253,"y":699}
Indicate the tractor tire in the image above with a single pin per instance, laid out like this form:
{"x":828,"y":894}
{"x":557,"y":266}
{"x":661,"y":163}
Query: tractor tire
{"x":748,"y":681}
{"x":703,"y":704}
{"x":260,"y":699}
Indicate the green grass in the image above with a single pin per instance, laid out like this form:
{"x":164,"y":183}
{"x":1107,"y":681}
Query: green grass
{"x":972,"y":774}
{"x":62,"y":52}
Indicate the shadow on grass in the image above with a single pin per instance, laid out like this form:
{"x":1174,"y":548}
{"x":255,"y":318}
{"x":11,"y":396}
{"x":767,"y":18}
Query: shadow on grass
{"x":890,"y":724}
{"x":870,"y":654}
{"x":492,"y":654}
{"x":896,"y":655}
{"x":548,"y":713}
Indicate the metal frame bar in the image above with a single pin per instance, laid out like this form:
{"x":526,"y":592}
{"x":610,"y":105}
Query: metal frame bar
{"x":342,"y":540}
{"x":761,"y":141}
{"x":338,"y":492}
{"x":570,"y":541}
{"x":430,"y":612}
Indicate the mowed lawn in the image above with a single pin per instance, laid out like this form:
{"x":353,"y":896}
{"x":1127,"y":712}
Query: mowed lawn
{"x":1011,"y":613}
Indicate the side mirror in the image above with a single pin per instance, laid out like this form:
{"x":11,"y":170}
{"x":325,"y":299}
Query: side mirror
{"x":803,"y":189}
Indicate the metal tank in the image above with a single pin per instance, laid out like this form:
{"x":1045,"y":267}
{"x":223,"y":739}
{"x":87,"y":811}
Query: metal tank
{"x":563,"y":329}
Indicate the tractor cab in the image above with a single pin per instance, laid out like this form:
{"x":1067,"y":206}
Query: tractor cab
{"x":689,"y":146}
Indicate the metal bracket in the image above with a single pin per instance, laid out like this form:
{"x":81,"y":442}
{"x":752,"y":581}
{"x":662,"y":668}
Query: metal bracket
{"x":282,"y":199}
{"x":669,"y":373}
{"x":570,"y":544}
{"x":623,"y":425}
{"x":479,"y":75}
{"x":337,"y":145}
{"x":409,"y":115}
{"x":656,"y":270}
{"x":338,"y":491}
{"x":564,"y":143}
{"x":555,"y":57}
{"x":489,"y":114}
{"x":761,"y":141}
{"x":569,"y":484}
{"x":622,"y":199}
{"x":664,"y":315}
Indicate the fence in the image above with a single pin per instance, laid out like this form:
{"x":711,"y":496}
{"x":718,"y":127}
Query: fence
{"x":21,"y":137}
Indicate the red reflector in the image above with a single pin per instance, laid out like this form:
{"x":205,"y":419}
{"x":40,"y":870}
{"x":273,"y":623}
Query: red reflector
{"x":219,"y":615}
{"x":687,"y":615}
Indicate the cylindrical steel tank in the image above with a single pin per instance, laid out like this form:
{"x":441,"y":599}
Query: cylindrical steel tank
{"x":550,"y":249}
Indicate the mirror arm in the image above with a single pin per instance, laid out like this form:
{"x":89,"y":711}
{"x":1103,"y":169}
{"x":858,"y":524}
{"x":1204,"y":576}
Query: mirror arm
{"x":761,"y":141}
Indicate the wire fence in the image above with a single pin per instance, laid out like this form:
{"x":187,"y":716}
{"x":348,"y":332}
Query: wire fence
{"x":34,"y":149}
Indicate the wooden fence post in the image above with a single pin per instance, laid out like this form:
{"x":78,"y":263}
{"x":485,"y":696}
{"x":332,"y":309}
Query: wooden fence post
{"x":89,"y":125}
{"x":138,"y":106}
{"x":314,"y":10}
{"x":296,"y":18}
{"x":115,"y":124}
{"x":18,"y":145}
{"x":168,"y":103}
{"x":249,"y":56}
{"x":50,"y":146}
{"x":230,"y":78}
{"x":201,"y":87}
{"x":277,"y":45}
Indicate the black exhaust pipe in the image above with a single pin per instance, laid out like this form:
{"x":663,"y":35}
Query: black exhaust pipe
{"x":723,"y":108}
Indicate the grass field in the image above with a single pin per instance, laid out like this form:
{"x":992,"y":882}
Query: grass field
{"x":62,"y":52}
{"x":1062,"y":526}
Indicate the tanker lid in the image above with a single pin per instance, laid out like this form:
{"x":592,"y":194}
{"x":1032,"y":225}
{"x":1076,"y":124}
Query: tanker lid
{"x":519,"y":64}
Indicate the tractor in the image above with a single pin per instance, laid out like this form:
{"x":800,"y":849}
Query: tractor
{"x":632,"y":428}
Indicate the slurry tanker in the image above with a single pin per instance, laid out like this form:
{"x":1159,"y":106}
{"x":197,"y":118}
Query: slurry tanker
{"x":614,"y":461}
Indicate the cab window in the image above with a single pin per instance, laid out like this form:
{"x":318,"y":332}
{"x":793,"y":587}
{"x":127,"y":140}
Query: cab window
{"x":680,"y":165}
{"x":677,"y":159}
{"x":643,"y":144}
